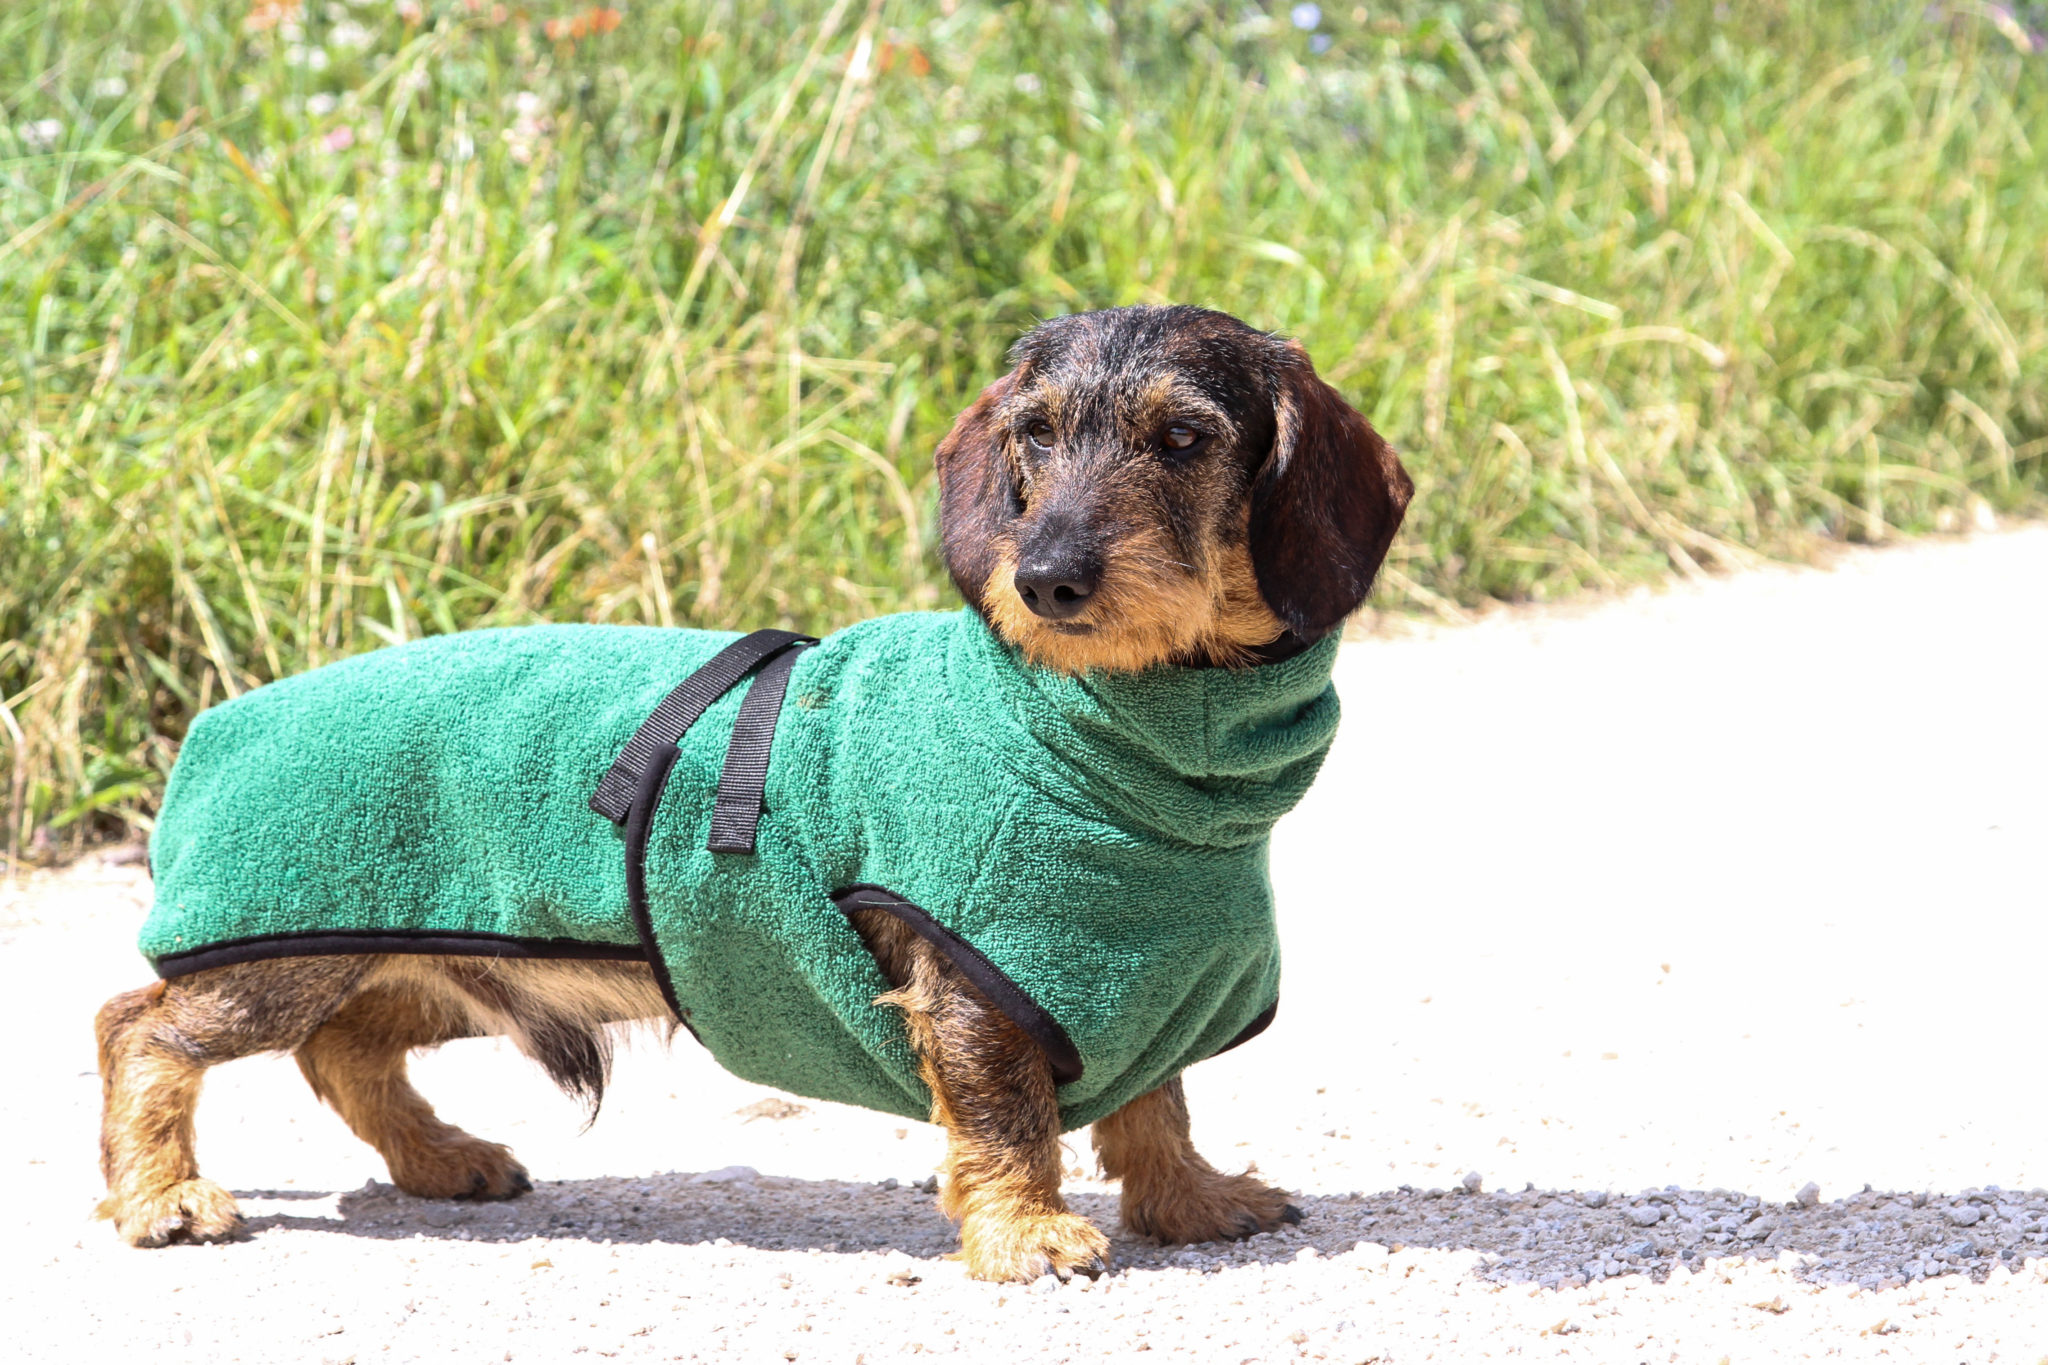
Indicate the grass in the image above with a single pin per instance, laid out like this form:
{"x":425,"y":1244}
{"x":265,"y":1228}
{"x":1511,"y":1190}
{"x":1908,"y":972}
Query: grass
{"x":327,"y":329}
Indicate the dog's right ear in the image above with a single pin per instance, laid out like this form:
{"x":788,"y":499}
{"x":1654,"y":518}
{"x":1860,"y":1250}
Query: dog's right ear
{"x":978,"y":495}
{"x":1326,"y":504}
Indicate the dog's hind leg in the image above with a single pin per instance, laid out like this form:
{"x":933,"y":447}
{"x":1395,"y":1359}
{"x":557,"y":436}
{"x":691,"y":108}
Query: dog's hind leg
{"x":154,"y":1047}
{"x":356,"y":1062}
{"x":1170,"y":1193}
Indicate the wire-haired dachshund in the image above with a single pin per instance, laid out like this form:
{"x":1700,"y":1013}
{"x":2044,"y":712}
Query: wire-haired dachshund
{"x":1148,"y":486}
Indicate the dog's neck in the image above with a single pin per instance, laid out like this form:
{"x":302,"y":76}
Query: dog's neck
{"x":1272,"y":652}
{"x":1205,"y":756}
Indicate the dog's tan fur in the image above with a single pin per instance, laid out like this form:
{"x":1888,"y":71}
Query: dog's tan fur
{"x":1158,"y":602}
{"x":352,"y":1021}
{"x":1157,"y":611}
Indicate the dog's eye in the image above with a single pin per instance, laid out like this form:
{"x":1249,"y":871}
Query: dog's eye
{"x":1040,"y":434}
{"x":1181,"y":438}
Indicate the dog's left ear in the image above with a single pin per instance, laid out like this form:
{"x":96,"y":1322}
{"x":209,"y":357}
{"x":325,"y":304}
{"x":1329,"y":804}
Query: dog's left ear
{"x":977,"y":493}
{"x":1325,"y":505}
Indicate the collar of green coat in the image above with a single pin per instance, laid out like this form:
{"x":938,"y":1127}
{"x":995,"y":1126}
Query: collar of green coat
{"x":1209,"y":757}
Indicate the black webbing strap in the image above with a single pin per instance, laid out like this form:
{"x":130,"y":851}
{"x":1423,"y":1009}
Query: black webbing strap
{"x":680,"y":709}
{"x":646,"y":797}
{"x":744,"y":779}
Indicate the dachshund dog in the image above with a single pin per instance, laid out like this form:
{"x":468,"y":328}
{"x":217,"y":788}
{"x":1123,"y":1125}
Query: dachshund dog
{"x":1150,"y":485}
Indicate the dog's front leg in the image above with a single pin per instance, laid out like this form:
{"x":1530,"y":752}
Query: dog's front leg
{"x":992,"y":1089}
{"x":1170,"y":1193}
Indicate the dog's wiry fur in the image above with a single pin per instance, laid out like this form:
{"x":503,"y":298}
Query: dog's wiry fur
{"x":1274,"y":521}
{"x":350,"y":1022}
{"x":1267,"y":529}
{"x":992,"y":1091}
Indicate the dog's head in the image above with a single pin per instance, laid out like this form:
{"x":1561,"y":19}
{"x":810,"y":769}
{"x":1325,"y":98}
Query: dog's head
{"x":1155,"y":485}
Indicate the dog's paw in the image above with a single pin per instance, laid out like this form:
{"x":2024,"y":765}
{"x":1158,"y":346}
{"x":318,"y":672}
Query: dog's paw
{"x":1211,"y":1208}
{"x":460,"y":1167}
{"x":189,"y":1211}
{"x":1023,"y":1247}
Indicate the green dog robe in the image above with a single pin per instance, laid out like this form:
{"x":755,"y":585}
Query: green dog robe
{"x":1091,"y":850}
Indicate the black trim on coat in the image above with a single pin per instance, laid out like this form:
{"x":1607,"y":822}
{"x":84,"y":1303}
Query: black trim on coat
{"x":1026,"y":1013}
{"x":434,"y":942}
{"x":647,"y":789}
{"x":1251,"y":1030}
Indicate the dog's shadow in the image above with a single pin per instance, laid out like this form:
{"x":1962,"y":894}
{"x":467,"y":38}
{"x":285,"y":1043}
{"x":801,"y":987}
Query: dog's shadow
{"x":1532,"y":1236}
{"x":768,"y":1213}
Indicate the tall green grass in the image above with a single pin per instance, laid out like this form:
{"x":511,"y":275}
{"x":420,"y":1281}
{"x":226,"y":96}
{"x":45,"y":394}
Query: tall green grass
{"x":333,"y":328}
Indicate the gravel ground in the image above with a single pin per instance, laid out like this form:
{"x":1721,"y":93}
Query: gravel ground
{"x":1660,"y":973}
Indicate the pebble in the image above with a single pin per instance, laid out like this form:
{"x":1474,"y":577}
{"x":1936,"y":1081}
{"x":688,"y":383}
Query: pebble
{"x":1969,"y":1215}
{"x":727,"y":1175}
{"x":1473,"y":1182}
{"x":1808,"y":1196}
{"x":1594,"y":1199}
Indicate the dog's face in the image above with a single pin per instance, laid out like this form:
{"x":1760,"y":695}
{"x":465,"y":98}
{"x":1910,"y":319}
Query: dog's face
{"x":1155,"y":485}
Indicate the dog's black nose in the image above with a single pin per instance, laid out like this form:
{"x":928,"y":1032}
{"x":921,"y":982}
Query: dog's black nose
{"x":1057,"y":587}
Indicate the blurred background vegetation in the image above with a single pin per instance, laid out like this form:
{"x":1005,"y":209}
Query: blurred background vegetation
{"x":332,"y":325}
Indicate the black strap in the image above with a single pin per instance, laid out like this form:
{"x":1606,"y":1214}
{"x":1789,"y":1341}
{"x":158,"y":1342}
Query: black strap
{"x":744,"y":779}
{"x":639,"y":819}
{"x":680,"y":709}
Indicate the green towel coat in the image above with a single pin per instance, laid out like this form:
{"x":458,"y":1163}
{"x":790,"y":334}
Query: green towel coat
{"x":1100,"y":841}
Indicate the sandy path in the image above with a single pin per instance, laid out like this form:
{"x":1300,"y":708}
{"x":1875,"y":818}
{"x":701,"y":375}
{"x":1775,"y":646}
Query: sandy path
{"x":1712,"y":894}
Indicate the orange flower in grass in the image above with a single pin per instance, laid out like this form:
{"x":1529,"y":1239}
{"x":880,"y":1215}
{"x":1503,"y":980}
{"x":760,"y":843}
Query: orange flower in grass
{"x":909,"y":54}
{"x":581,"y":26}
{"x":268,"y":14}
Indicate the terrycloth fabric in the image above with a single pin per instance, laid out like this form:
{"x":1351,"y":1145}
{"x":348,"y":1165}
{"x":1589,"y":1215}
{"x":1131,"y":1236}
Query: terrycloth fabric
{"x":1100,"y":840}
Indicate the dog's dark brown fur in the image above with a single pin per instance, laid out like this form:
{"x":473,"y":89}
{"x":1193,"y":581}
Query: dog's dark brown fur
{"x":1259,"y":534}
